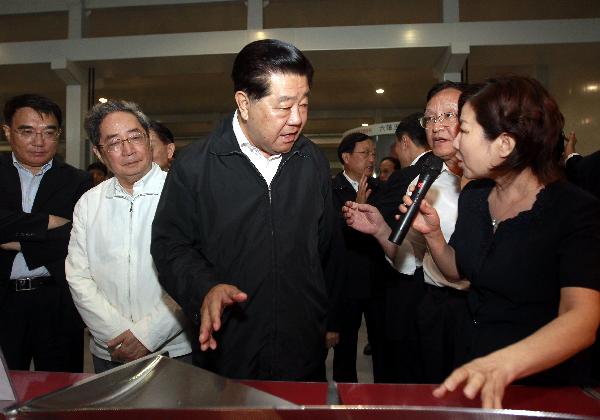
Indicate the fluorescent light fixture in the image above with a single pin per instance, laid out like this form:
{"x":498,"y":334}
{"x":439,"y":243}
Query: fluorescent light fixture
{"x":102,"y":100}
{"x":379,"y":91}
{"x":365,"y":124}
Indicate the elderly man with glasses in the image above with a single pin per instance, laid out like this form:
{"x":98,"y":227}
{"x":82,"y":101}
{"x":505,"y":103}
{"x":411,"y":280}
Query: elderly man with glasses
{"x":38,"y":320}
{"x":109,"y":267}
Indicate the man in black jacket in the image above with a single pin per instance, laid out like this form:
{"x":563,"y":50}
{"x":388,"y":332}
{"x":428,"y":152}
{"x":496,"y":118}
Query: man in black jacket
{"x":365,"y":265}
{"x":37,"y":317}
{"x":243,"y":231}
{"x":402,"y":291}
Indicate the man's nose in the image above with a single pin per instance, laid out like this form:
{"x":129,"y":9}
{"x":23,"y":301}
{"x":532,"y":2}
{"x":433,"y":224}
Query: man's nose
{"x":126,"y":148}
{"x":38,"y":140}
{"x":295,"y":116}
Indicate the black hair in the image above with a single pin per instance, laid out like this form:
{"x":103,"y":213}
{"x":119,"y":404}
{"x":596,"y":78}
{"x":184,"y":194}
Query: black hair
{"x":99,"y":166}
{"x":39,"y":103}
{"x":258,"y":60}
{"x":164,"y":134}
{"x":411,"y":126}
{"x":348,"y":142}
{"x":446,"y":84}
{"x":392,"y":159}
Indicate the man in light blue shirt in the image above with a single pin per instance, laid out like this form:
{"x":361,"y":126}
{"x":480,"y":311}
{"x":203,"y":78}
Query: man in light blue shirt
{"x":38,"y":320}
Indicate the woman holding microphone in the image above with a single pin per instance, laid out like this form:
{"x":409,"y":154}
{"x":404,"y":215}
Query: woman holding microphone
{"x":528,"y":241}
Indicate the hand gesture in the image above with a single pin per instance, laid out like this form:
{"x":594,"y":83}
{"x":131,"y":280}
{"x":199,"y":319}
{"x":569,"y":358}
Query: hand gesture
{"x":364,"y":218}
{"x":331,"y":339}
{"x":215,"y":302}
{"x":488,"y":376}
{"x":426,"y":220}
{"x":570,"y":144}
{"x":364,"y":191}
{"x":126,"y":347}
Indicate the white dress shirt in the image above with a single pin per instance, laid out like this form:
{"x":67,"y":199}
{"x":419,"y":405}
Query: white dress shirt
{"x":413,"y":253}
{"x":267,"y":166}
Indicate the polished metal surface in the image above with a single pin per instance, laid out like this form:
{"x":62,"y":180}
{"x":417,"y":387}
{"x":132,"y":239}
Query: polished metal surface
{"x":154,"y":382}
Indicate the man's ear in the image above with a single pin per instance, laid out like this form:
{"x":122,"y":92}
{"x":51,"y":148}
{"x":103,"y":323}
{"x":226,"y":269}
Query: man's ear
{"x":243,"y":101}
{"x":98,"y":154}
{"x":170,"y":150}
{"x":6,"y":130}
{"x":345,"y":157}
{"x":506,"y":144}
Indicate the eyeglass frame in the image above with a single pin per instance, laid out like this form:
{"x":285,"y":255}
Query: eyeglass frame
{"x":118,"y":142}
{"x":362,"y":152}
{"x":29,"y":133}
{"x":440,"y":118}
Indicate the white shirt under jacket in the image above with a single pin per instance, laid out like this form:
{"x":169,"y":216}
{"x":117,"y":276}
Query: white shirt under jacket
{"x":110,"y":271}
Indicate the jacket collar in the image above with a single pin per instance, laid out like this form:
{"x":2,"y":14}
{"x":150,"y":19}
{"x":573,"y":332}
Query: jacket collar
{"x":223,"y":141}
{"x":150,"y":184}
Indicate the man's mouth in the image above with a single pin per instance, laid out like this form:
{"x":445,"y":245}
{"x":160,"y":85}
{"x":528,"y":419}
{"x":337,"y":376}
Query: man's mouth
{"x":288,"y":138}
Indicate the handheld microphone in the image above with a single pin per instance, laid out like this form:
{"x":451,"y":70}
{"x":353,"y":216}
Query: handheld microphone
{"x":430,"y":171}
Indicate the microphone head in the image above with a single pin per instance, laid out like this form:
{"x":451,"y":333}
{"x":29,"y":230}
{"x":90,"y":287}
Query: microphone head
{"x":432,"y":165}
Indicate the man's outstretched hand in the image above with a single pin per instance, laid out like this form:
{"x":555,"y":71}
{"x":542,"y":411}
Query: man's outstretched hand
{"x":216,"y":300}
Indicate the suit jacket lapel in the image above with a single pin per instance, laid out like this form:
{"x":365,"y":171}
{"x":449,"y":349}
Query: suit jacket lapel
{"x":11,"y":184}
{"x":50,"y":183}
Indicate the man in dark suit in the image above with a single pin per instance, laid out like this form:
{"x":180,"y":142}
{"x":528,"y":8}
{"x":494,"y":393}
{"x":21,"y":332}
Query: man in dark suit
{"x":582,"y":170}
{"x":365,"y":264}
{"x":38,"y":320}
{"x":402,"y":292}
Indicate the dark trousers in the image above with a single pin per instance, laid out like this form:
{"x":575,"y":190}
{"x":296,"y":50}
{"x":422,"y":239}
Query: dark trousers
{"x":440,"y":317}
{"x":32,"y":328}
{"x":403,"y":295}
{"x":344,"y":353}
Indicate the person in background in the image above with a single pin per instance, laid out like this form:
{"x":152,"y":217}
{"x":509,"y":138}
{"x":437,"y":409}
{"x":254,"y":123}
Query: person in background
{"x":98,"y":171}
{"x":365,"y":264}
{"x":246,"y":229}
{"x":109,"y":267}
{"x":582,"y":170}
{"x":38,"y":320}
{"x":387,"y":166}
{"x":403,"y":293}
{"x":163,"y":145}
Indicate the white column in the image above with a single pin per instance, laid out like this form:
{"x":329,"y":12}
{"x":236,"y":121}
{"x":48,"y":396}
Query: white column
{"x":76,"y":107}
{"x":255,"y":14}
{"x":76,"y":19}
{"x":451,"y":11}
{"x":450,"y":64}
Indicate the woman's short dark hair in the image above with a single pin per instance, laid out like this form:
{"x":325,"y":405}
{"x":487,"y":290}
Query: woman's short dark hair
{"x":38,"y":103}
{"x":96,"y":115}
{"x":522,"y":108}
{"x":348,"y":142}
{"x":256,"y":62}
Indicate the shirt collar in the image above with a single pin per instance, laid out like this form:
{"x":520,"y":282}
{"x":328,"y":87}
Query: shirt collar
{"x":243,"y":141}
{"x":42,"y":171}
{"x":351,"y":181}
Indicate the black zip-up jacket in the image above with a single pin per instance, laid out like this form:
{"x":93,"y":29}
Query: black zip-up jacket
{"x":219,"y":222}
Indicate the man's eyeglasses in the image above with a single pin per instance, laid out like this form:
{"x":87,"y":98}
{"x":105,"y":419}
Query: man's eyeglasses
{"x":115,"y":145}
{"x":366,"y":153}
{"x":427,"y":121}
{"x":48,"y":134}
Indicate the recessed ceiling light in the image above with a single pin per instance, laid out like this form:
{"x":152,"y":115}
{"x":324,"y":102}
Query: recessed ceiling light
{"x":591,"y":88}
{"x":102,"y":100}
{"x":365,"y":124}
{"x":379,"y":91}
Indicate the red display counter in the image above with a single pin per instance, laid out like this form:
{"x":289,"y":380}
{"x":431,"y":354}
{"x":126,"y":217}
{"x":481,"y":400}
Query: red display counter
{"x":363,"y":400}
